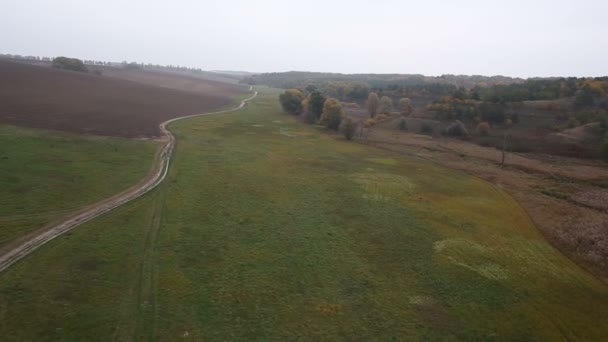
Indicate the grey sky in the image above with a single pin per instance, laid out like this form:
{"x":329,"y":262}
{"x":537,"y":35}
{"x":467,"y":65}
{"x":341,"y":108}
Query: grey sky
{"x":514,"y":38}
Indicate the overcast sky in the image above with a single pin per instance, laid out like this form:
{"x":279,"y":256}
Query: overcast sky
{"x":432,"y":37}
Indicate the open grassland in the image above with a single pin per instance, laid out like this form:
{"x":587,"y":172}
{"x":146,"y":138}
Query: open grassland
{"x":268,"y":229}
{"x":46,"y":175}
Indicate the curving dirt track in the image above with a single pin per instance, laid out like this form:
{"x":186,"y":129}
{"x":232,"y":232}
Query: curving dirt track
{"x":158,"y":174}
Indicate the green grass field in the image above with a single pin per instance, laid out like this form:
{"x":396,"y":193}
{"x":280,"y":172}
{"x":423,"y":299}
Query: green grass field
{"x":269,"y":229}
{"x":46,"y":175}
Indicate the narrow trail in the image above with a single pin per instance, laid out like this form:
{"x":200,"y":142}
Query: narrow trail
{"x":158,"y":174}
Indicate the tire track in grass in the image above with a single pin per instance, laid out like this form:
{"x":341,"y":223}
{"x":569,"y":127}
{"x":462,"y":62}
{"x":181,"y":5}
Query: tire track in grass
{"x":146,"y":283}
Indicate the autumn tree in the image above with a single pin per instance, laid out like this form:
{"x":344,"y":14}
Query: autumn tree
{"x":405,"y":106}
{"x":386,"y":105}
{"x":332,"y":113}
{"x":316,"y":100}
{"x":291,"y":101}
{"x":372,"y":104}
{"x":347,"y":127}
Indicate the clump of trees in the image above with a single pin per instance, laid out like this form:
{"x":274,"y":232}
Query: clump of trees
{"x":456,"y":129}
{"x":348,"y":127}
{"x":405,"y":106}
{"x":72,"y":64}
{"x":291,"y":101}
{"x":332,"y":114}
{"x":373,"y":101}
{"x":385,"y":106}
{"x":483,"y":128}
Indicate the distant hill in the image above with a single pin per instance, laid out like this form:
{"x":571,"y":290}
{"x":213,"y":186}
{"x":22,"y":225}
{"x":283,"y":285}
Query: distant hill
{"x":297,"y":78}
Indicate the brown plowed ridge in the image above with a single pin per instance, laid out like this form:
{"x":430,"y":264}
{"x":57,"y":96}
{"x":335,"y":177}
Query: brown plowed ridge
{"x":127,"y":105}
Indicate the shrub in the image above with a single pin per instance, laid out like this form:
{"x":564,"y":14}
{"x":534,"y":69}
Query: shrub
{"x":372,"y":104}
{"x":405,"y":106}
{"x":332,"y":114}
{"x":72,"y":64}
{"x":456,"y":129}
{"x":381,"y":117}
{"x":483,"y":129}
{"x":386,"y":105}
{"x":403,"y":125}
{"x":291,"y":101}
{"x":426,"y":128}
{"x":350,"y":105}
{"x":316,"y":100}
{"x":369,"y":123}
{"x":347,"y":127}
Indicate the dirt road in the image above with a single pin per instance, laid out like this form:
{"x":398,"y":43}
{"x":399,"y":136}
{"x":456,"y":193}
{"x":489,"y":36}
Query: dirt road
{"x":158,"y":174}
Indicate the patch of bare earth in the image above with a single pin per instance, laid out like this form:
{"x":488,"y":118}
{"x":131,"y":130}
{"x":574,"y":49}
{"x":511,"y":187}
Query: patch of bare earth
{"x":566,"y":197}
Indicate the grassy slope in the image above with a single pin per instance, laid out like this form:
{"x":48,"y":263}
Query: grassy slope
{"x":45,"y":175}
{"x":267,"y":229}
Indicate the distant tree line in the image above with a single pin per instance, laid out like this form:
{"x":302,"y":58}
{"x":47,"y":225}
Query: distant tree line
{"x":74,"y":63}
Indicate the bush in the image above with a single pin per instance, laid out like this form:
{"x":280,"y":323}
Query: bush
{"x":316,"y":100}
{"x":369,"y":123}
{"x":426,"y":128}
{"x":291,"y":101}
{"x":492,"y":112}
{"x":456,"y":129}
{"x":403,"y":125}
{"x":381,"y":117}
{"x":483,"y":129}
{"x":347,"y":127}
{"x":350,"y":105}
{"x":332,"y":114}
{"x":405,"y":106}
{"x":72,"y":64}
{"x":386,"y":105}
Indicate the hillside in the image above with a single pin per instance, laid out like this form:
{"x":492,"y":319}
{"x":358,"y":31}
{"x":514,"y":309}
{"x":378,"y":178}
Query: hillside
{"x":42,"y":97}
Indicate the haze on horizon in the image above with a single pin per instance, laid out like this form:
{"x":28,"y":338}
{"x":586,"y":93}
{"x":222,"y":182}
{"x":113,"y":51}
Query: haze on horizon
{"x":512,"y":38}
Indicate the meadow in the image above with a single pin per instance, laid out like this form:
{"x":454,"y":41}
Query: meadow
{"x":270,"y":229}
{"x":47,"y":175}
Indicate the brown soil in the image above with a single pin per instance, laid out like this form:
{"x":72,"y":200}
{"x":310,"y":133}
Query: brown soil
{"x":566,"y":197}
{"x":42,"y":97}
{"x":165,"y":79}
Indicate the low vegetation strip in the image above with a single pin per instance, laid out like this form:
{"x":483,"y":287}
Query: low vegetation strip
{"x":157,"y":176}
{"x":269,"y":229}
